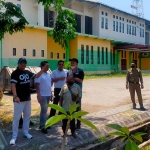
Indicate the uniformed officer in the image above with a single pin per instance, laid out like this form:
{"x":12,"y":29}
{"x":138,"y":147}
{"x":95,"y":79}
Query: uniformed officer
{"x":133,"y":77}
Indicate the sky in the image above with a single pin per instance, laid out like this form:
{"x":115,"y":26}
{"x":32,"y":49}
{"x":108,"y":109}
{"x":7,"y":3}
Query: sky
{"x":125,"y":5}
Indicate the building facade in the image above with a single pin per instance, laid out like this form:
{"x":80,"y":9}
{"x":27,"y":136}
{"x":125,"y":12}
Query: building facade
{"x":108,"y":38}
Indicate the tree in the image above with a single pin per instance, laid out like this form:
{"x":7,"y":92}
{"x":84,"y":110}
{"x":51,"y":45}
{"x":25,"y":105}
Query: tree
{"x":67,"y":115}
{"x":65,"y":22}
{"x":7,"y":23}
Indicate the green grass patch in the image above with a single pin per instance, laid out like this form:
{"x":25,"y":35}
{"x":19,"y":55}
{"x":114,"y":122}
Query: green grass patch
{"x":110,"y":75}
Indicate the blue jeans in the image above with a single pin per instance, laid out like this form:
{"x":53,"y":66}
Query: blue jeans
{"x":43,"y":113}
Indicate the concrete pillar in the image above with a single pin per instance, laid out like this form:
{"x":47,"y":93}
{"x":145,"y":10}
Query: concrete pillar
{"x":40,"y":15}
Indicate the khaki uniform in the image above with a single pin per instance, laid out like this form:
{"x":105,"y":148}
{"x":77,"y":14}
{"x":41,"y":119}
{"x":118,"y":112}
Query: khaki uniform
{"x":133,"y":77}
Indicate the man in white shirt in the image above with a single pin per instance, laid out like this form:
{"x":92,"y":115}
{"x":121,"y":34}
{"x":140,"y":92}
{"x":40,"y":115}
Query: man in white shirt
{"x":59,"y":78}
{"x":43,"y":88}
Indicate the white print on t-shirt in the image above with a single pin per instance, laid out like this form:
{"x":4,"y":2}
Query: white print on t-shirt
{"x":24,"y":77}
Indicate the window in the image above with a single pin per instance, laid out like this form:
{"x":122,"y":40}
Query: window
{"x":51,"y":55}
{"x":14,"y":51}
{"x":140,"y":32}
{"x":42,"y":53}
{"x":82,"y":54}
{"x":106,"y":55}
{"x":78,"y":23}
{"x":102,"y":13}
{"x":135,"y":31}
{"x":24,"y":52}
{"x":87,"y":54}
{"x":102,"y":22}
{"x":123,"y":54}
{"x":91,"y":54}
{"x":88,"y":25}
{"x":120,"y":26}
{"x":106,"y":14}
{"x":116,"y":26}
{"x":127,"y":29}
{"x":102,"y":55}
{"x":127,"y":20}
{"x":113,"y":16}
{"x":113,"y":25}
{"x":57,"y":55}
{"x":111,"y":57}
{"x":132,"y":30}
{"x":33,"y":52}
{"x":19,"y":6}
{"x":116,"y":17}
{"x":106,"y":23}
{"x":98,"y":55}
{"x":132,"y":22}
{"x":64,"y":56}
{"x":114,"y":60}
{"x":122,"y":19}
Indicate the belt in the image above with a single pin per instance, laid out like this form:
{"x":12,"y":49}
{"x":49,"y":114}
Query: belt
{"x":134,"y":82}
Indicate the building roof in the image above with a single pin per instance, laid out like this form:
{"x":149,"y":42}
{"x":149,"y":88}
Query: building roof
{"x":113,"y":8}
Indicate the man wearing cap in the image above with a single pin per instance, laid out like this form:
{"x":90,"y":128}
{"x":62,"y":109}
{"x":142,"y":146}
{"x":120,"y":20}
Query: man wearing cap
{"x":133,"y":77}
{"x":43,"y":89}
{"x":78,"y":78}
{"x":20,"y":85}
{"x":59,"y":78}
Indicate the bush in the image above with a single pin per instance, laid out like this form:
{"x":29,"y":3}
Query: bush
{"x":67,"y":65}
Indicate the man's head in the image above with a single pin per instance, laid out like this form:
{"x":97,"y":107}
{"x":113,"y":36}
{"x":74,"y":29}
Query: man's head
{"x":42,"y":64}
{"x":74,"y":63}
{"x":60,"y":65}
{"x":22,"y":63}
{"x":133,"y":65}
{"x":70,"y":80}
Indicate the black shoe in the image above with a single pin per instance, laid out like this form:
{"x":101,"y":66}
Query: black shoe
{"x":74,"y":135}
{"x":142,"y":109}
{"x":40,"y":127}
{"x":134,"y":106}
{"x":20,"y":126}
{"x":44,"y":131}
{"x":31,"y":123}
{"x":48,"y":128}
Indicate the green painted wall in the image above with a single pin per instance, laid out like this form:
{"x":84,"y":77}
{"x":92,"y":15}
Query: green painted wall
{"x":53,"y":64}
{"x":0,"y":53}
{"x":95,"y":66}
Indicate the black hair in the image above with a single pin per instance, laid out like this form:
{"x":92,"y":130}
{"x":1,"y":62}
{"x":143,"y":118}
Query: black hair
{"x":43,"y":63}
{"x":60,"y":62}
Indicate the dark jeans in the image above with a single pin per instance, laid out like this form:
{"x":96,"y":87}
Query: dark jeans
{"x":72,"y":125}
{"x":78,"y":109}
{"x":56,"y":100}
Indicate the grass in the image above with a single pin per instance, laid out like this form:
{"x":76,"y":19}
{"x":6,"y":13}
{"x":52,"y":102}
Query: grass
{"x":110,"y":75}
{"x":146,"y":148}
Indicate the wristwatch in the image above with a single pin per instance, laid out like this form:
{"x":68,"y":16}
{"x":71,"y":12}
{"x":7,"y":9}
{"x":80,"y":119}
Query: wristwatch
{"x":14,"y":96}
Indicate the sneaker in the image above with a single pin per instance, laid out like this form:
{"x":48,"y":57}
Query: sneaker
{"x":142,"y":109}
{"x":74,"y":135}
{"x":28,"y":136}
{"x":44,"y":131}
{"x":12,"y":142}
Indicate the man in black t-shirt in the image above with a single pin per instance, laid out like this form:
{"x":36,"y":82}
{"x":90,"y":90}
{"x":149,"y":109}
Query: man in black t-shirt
{"x":20,"y":85}
{"x":78,"y":77}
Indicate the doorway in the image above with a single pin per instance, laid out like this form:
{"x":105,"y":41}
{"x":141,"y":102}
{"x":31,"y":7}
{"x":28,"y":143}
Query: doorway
{"x":123,"y":64}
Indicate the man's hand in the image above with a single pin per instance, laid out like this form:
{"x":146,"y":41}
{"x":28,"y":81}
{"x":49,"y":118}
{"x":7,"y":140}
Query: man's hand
{"x":45,"y":67}
{"x":39,"y":98}
{"x":17,"y":100}
{"x":127,"y":87}
{"x":62,"y":78}
{"x":142,"y":86}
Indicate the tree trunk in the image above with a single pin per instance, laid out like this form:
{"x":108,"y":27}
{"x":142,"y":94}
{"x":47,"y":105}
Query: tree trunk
{"x":65,"y":135}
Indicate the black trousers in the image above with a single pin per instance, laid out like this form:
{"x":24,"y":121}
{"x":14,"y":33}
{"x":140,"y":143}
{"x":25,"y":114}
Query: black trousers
{"x":78,"y":109}
{"x":56,"y":100}
{"x":72,"y":125}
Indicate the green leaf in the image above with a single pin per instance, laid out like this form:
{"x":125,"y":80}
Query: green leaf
{"x":130,"y":145}
{"x":79,"y":114}
{"x":123,"y":139}
{"x":53,"y":120}
{"x":73,"y":108}
{"x":115,"y":126}
{"x":125,"y":130}
{"x":118,"y":133}
{"x":138,"y":136}
{"x":57,"y":107}
{"x":88,"y":123}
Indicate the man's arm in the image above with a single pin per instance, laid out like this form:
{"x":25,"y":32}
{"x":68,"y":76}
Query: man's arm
{"x":60,"y":100}
{"x":141,"y":80}
{"x":58,"y":79}
{"x":80,"y":80}
{"x":127,"y":80}
{"x":37,"y":87}
{"x":13,"y":89}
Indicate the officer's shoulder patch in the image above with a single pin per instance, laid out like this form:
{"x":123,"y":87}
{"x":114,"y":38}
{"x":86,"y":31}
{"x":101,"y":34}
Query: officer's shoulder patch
{"x":130,"y":69}
{"x":138,"y":69}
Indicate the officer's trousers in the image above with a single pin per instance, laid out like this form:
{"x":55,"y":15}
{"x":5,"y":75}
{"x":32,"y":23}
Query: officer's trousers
{"x":135,"y":87}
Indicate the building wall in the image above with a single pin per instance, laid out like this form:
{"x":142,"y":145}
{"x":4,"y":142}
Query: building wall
{"x":30,"y":39}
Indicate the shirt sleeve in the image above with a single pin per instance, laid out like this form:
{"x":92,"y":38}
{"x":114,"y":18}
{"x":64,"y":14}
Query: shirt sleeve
{"x":127,"y":77}
{"x":81,"y":74}
{"x":61,"y":92}
{"x":37,"y":80}
{"x":53,"y":74}
{"x":14,"y":78}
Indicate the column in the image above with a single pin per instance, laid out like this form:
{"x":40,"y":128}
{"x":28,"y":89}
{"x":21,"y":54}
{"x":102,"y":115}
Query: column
{"x":118,"y":61}
{"x":40,"y":14}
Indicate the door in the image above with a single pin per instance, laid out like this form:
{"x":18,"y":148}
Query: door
{"x":123,"y":64}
